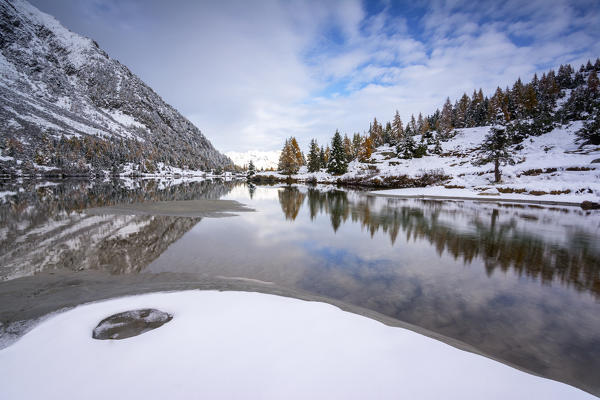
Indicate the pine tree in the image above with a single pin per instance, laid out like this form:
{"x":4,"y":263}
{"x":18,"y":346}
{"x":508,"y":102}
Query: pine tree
{"x":406,"y":149}
{"x":495,"y":148}
{"x":438,"y":146}
{"x":251,"y":170}
{"x":314,"y":162}
{"x":337,"y":163}
{"x":590,"y":133}
{"x":322,"y":158}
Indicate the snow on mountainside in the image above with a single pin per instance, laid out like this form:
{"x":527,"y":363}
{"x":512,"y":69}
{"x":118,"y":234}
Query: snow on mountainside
{"x":64,"y":103}
{"x":261,"y":159}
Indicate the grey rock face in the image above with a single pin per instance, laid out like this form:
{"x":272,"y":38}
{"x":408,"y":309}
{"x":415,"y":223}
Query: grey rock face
{"x":130,"y":323}
{"x":64,"y":103}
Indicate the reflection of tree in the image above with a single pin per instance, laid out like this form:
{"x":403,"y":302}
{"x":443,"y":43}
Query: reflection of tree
{"x":251,"y":190}
{"x":291,"y":200}
{"x":501,"y":244}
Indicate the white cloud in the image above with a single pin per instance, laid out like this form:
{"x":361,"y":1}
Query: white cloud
{"x":250,"y":74}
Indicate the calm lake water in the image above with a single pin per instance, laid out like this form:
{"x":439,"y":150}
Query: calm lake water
{"x":517,"y":283}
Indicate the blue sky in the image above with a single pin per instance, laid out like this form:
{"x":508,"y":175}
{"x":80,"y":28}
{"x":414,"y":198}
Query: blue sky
{"x":251,"y":73}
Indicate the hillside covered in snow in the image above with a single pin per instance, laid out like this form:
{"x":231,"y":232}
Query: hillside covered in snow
{"x":67,"y":108}
{"x":549,"y":167}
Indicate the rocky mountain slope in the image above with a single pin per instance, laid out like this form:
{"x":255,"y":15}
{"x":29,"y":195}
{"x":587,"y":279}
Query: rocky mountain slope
{"x":67,"y":107}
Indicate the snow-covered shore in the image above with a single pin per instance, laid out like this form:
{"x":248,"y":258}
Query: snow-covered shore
{"x":548,"y":168}
{"x":251,"y":345}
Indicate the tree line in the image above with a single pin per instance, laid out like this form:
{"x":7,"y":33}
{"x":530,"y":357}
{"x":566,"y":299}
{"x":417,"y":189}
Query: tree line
{"x":513,"y":113}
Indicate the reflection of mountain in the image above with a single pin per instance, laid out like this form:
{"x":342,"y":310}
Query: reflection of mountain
{"x":47,"y":228}
{"x":501,"y":243}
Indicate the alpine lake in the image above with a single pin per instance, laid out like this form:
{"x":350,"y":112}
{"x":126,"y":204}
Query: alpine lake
{"x":517,"y":283}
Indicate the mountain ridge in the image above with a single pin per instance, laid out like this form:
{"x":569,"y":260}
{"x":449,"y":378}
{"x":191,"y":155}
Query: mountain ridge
{"x":67,"y":107}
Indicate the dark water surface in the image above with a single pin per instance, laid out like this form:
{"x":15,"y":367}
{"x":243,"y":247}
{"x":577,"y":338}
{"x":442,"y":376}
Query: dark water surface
{"x":517,"y":283}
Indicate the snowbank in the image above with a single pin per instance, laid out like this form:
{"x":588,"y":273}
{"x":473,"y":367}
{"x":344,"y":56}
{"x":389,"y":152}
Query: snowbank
{"x":250,"y":345}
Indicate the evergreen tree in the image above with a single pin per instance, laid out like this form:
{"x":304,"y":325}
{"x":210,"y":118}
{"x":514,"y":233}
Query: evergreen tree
{"x":438,"y":146}
{"x":322,"y":158}
{"x":251,"y":170}
{"x":314,"y":162}
{"x":590,"y":133}
{"x":337,"y":163}
{"x":406,"y":149}
{"x":495,"y":146}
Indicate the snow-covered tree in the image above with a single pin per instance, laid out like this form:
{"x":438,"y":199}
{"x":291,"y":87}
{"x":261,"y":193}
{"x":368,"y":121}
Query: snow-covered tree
{"x":314,"y":162}
{"x":251,"y":170}
{"x":495,"y":148}
{"x":337,"y":163}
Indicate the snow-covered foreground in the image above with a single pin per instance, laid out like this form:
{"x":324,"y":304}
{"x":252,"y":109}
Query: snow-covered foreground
{"x":251,"y":345}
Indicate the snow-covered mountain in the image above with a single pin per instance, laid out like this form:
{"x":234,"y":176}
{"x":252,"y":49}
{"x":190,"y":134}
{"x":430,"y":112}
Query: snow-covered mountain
{"x":64,"y":103}
{"x":261,"y":159}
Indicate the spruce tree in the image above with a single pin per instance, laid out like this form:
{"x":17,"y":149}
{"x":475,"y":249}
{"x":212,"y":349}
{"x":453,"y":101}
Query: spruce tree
{"x":407,"y":147}
{"x":590,"y":133}
{"x":314,"y":162}
{"x":337,"y":163}
{"x":251,"y":170}
{"x":438,"y":146}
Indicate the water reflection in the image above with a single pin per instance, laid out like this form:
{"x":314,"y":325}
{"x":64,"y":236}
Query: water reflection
{"x":43,"y":226}
{"x":501,"y":244}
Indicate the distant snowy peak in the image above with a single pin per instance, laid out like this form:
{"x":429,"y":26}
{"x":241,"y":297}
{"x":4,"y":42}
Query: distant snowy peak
{"x":261,"y":159}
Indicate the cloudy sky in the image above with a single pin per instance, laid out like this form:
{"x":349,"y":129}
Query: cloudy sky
{"x":251,"y":73}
